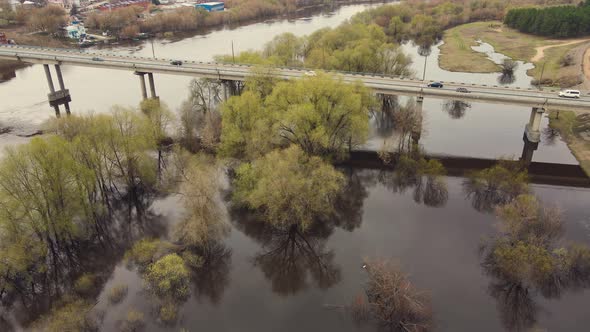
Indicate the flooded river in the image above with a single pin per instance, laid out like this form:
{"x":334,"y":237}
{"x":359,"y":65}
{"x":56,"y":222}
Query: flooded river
{"x":256,"y":288}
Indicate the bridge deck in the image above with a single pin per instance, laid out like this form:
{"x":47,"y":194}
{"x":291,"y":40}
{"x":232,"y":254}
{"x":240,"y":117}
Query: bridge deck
{"x":380,"y":84}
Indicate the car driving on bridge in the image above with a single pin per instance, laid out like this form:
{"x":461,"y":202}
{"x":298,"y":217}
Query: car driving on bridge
{"x":463,"y":90}
{"x":176,"y":63}
{"x":435,"y":85}
{"x":569,"y":94}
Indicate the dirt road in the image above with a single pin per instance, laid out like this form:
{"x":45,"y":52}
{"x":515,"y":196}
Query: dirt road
{"x":541,"y":49}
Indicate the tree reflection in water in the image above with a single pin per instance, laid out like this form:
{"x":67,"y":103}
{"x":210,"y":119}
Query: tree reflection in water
{"x":384,"y":120}
{"x":506,"y":78}
{"x":456,"y":108}
{"x":517,"y":309}
{"x":425,"y":177}
{"x":293,"y":260}
{"x":212,"y":278}
{"x":496,"y":185}
{"x":550,"y":136}
{"x":348,"y":206}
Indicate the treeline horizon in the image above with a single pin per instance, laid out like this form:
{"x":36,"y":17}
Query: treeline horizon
{"x":559,"y":21}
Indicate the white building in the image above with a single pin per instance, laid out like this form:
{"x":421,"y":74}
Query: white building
{"x":14,"y":4}
{"x":76,"y":31}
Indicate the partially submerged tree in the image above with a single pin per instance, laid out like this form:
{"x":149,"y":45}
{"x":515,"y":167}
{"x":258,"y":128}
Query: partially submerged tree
{"x":169,"y":278}
{"x":248,"y":128}
{"x":71,"y":316}
{"x":526,"y":257}
{"x":508,"y":66}
{"x":321,"y":114}
{"x":524,"y":219}
{"x":203,"y":225}
{"x":289,"y":187}
{"x":392,"y":300}
{"x":496,"y":185}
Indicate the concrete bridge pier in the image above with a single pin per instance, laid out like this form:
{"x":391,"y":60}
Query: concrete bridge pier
{"x":142,"y":85}
{"x":60,"y":97}
{"x":152,"y":86}
{"x":532,"y":129}
{"x":417,"y":128}
{"x":528,"y":150}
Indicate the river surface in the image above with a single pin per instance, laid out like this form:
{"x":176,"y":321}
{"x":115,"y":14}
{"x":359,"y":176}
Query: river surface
{"x":436,"y":244}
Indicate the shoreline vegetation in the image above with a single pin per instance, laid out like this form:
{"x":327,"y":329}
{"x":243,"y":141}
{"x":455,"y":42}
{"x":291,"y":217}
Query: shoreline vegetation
{"x":126,"y":22}
{"x":575,"y":130}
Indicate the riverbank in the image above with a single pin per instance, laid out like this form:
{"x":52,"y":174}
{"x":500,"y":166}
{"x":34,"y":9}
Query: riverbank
{"x":557,"y":60}
{"x":575,"y":130}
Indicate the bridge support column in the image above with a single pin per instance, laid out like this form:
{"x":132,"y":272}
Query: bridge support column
{"x":528,"y":150}
{"x":49,"y":80}
{"x":142,"y":84}
{"x":61,"y":97}
{"x":417,"y":127}
{"x":62,"y":87}
{"x":152,"y":86}
{"x":532,"y":129}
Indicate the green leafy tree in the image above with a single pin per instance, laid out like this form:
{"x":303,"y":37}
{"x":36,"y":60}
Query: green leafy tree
{"x":203,"y":225}
{"x":168,"y":278}
{"x":496,"y":185}
{"x":248,"y":130}
{"x":524,"y":219}
{"x":289,"y":187}
{"x":321,"y":114}
{"x":72,"y":316}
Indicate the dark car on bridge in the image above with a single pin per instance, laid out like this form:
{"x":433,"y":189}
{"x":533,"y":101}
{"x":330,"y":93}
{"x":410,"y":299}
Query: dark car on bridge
{"x":176,"y":62}
{"x":435,"y":85}
{"x":463,"y":90}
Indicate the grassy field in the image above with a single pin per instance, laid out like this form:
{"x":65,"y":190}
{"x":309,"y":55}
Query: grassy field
{"x":571,"y":127}
{"x":456,"y":55}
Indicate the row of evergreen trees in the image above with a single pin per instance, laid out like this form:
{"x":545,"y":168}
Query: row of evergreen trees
{"x":560,"y":21}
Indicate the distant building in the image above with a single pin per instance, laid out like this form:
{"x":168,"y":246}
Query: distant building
{"x":76,"y":30}
{"x":61,"y":3}
{"x":14,"y":4}
{"x":64,"y":3}
{"x":211,"y":6}
{"x":123,"y":4}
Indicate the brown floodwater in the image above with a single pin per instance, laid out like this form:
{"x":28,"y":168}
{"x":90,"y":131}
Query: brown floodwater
{"x":257,"y":288}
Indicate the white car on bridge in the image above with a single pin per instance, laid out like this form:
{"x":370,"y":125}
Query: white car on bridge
{"x":569,"y":94}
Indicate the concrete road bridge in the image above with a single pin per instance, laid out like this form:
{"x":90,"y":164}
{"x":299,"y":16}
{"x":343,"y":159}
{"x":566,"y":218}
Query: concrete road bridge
{"x":538,"y":100}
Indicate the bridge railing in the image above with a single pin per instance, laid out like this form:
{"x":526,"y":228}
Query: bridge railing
{"x":228,"y":63}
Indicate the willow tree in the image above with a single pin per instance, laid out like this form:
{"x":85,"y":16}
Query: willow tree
{"x":247,"y":130}
{"x":289,"y":187}
{"x":203,"y":225}
{"x":41,"y":194}
{"x":322,"y":114}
